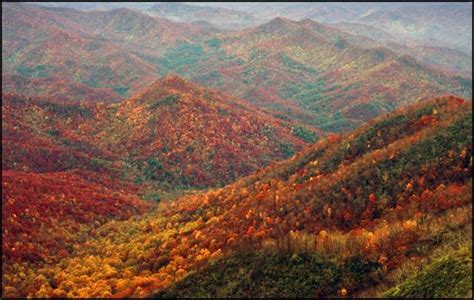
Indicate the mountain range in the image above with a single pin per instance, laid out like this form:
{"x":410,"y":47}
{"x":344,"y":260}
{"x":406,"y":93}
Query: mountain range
{"x":187,"y":135}
{"x":295,"y":64}
{"x":222,"y":17}
{"x":239,"y":150}
{"x":429,"y":23}
{"x":354,"y":207}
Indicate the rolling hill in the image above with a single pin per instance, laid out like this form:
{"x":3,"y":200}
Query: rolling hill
{"x":174,"y":132}
{"x":149,"y":151}
{"x":342,"y":216}
{"x":442,"y":58}
{"x":92,"y":53}
{"x":303,"y":71}
{"x":199,"y":134}
{"x":69,"y":167}
{"x":433,"y":24}
{"x":130,"y":28}
{"x":54,"y":51}
{"x":311,"y":72}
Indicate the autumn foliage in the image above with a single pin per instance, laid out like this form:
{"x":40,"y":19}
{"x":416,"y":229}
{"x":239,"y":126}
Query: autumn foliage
{"x":173,"y":132}
{"x":35,"y":206}
{"x":140,"y":153}
{"x":375,"y":193}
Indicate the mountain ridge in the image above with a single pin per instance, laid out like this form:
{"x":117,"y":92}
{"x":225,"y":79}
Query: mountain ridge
{"x":336,"y":197}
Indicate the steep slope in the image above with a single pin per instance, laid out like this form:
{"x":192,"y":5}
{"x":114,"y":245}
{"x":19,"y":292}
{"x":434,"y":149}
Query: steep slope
{"x":310,"y":72}
{"x":52,"y":50}
{"x":179,"y":12}
{"x":383,"y":214}
{"x":304,"y":71}
{"x":195,"y":136}
{"x":105,"y":53}
{"x":437,"y":278}
{"x":362,"y":203}
{"x":174,"y":132}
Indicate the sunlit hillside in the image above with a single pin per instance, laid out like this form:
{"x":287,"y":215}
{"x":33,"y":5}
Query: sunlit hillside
{"x":236,"y":150}
{"x":387,"y":193}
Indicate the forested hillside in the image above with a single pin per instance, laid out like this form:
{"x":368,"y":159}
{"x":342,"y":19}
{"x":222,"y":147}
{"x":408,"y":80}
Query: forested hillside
{"x":354,"y":208}
{"x":305,"y":71}
{"x":236,"y":150}
{"x":174,"y":133}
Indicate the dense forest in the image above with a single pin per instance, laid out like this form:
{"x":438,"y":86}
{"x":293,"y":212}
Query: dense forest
{"x":236,"y":150}
{"x":357,"y":207}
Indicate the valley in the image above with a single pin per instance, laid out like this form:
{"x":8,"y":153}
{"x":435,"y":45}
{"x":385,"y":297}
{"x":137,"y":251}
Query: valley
{"x":189,"y":150}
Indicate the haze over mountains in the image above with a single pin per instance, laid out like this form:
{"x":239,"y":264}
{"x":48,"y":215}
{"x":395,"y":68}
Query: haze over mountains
{"x":227,"y":18}
{"x":429,"y":23}
{"x":92,"y":50}
{"x":236,"y":149}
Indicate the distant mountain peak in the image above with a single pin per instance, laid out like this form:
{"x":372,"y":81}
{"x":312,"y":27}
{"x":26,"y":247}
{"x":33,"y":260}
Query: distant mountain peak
{"x":127,"y":12}
{"x":182,"y":12}
{"x":278,"y":24}
{"x":122,"y":10}
{"x":281,"y":21}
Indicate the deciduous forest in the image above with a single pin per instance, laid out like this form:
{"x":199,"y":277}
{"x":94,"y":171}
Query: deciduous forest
{"x":231,"y":150}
